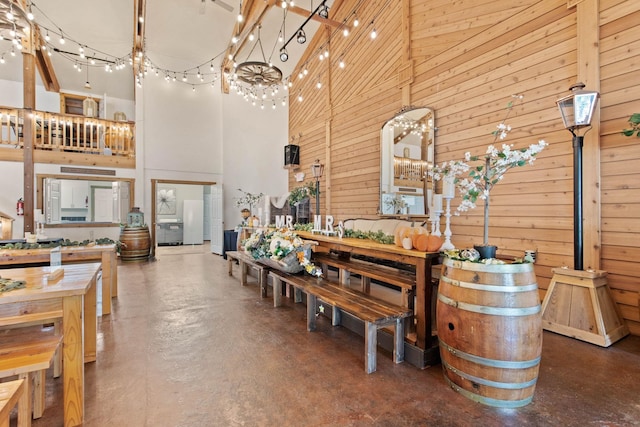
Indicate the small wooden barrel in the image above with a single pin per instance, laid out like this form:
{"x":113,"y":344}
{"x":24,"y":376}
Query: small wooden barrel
{"x":490,"y":331}
{"x":136,"y":244}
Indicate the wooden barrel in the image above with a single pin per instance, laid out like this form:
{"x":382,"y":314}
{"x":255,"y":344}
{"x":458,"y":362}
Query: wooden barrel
{"x":136,"y":244}
{"x":490,"y":331}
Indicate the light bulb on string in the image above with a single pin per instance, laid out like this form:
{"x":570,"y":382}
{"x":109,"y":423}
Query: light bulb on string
{"x":300,"y":97}
{"x":345,"y":32}
{"x":341,"y":64}
{"x":251,"y":36}
{"x":46,"y":37}
{"x":62,"y":41}
{"x":184,"y":77}
{"x":193,"y":88}
{"x":211,"y":66}
{"x":374,"y":33}
{"x":274,"y":105}
{"x":234,"y":39}
{"x":284,"y":102}
{"x":2,"y":61}
{"x":356,"y":21}
{"x":326,"y":53}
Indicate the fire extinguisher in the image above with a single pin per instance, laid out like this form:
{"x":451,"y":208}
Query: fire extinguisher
{"x":20,"y":206}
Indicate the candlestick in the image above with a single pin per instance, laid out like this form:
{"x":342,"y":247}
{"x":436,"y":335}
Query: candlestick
{"x":437,"y":202}
{"x":447,"y":245}
{"x":435,"y":222}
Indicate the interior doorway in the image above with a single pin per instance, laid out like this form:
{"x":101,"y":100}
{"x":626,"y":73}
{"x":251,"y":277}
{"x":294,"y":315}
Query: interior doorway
{"x":168,"y":205}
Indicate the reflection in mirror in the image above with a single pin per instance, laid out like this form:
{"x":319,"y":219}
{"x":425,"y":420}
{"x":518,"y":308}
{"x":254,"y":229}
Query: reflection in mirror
{"x":407,"y":154}
{"x":90,"y":200}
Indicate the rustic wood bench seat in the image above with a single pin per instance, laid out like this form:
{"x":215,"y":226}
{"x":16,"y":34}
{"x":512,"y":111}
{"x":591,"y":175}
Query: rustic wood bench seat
{"x":11,"y":394}
{"x":245,"y":260}
{"x":405,"y":280}
{"x":375,"y":313}
{"x":27,"y":353}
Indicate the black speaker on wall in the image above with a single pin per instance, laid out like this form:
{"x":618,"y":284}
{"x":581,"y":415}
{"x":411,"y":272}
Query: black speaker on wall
{"x":291,"y":155}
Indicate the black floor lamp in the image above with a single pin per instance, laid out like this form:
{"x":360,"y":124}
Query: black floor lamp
{"x":579,"y":303}
{"x":577,"y":110}
{"x":316,"y":169}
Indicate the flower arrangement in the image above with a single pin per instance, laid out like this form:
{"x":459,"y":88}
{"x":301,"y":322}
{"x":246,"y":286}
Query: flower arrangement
{"x":249,"y":199}
{"x":485,"y":171}
{"x":397,"y":203}
{"x":298,"y":194}
{"x":282,"y":248}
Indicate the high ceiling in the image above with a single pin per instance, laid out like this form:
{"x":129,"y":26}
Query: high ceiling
{"x":180,"y":38}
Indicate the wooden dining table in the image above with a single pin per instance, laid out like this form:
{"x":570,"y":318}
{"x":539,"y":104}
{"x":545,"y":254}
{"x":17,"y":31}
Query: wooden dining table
{"x":74,"y":295}
{"x":422,"y":261}
{"x":106,"y":254}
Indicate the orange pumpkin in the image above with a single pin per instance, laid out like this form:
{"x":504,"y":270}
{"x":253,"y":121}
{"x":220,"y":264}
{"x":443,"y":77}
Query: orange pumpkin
{"x":417,"y":232}
{"x":433,"y":243}
{"x":421,"y":242}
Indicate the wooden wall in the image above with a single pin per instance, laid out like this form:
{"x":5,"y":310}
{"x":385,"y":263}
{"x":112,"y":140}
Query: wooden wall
{"x":465,"y":59}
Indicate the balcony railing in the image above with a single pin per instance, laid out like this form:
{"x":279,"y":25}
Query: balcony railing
{"x":62,"y":132}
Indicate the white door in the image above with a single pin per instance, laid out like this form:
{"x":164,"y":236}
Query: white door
{"x":52,"y":190}
{"x":207,"y":213}
{"x":193,"y":219}
{"x":103,"y":205}
{"x":217,"y":224}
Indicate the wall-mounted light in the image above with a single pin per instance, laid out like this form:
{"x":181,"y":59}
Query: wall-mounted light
{"x":317,"y":169}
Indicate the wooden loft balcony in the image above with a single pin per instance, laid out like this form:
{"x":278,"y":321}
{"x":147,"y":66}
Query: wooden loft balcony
{"x":66,"y":138}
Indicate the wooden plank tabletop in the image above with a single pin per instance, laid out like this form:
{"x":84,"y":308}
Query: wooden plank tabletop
{"x":76,"y":280}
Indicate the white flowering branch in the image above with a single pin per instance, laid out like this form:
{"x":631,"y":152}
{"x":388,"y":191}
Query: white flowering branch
{"x":485,"y":171}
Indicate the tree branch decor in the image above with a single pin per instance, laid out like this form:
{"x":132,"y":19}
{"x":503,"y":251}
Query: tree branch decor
{"x":476,"y":176}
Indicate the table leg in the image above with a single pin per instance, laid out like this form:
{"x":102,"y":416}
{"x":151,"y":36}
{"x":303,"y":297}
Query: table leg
{"x":277,"y":291}
{"x":90,"y":323}
{"x":422,"y":310}
{"x":72,"y":359}
{"x":107,"y":284}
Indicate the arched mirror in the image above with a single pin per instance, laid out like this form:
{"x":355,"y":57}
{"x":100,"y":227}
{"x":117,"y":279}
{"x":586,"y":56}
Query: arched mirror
{"x":407,"y":154}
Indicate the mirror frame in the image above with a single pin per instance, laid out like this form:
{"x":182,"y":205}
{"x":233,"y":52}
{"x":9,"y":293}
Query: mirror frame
{"x":427,"y":148}
{"x":40,"y":196}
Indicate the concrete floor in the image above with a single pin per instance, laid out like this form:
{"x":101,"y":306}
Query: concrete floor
{"x":186,"y":345}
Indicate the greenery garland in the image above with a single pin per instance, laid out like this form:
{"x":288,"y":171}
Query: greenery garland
{"x":65,"y":242}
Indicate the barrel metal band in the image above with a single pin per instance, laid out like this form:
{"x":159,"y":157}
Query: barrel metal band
{"x":489,"y":288}
{"x":489,"y":383}
{"x":494,"y":363}
{"x":499,"y":403}
{"x":495,"y":311}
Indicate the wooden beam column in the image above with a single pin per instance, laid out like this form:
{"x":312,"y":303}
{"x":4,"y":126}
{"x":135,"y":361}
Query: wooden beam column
{"x":588,"y":51}
{"x":29,"y":102}
{"x":405,"y":73}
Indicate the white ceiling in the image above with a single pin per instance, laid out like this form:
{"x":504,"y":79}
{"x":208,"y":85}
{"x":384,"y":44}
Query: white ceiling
{"x":179,"y":36}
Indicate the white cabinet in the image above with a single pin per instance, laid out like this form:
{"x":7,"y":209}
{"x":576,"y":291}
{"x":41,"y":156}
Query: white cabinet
{"x":74,"y":194}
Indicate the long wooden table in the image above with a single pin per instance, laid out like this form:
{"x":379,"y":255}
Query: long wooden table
{"x":422,"y":262}
{"x":75,"y":295}
{"x":106,"y":254}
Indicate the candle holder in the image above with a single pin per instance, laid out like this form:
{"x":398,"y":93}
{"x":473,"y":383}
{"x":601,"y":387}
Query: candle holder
{"x":447,"y":245}
{"x":435,"y":223}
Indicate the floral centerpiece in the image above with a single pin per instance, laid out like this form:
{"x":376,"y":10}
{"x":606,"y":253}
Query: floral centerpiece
{"x":483,"y":172}
{"x":282,"y":249}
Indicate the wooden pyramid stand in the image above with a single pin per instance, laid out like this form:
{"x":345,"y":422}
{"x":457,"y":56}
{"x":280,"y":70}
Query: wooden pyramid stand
{"x":579,"y":304}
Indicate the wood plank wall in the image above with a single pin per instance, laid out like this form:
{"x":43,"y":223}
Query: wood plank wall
{"x":465,"y":59}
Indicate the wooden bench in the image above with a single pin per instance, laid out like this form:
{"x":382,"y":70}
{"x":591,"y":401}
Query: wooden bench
{"x":11,"y":394}
{"x":373,"y":312}
{"x":405,"y":280}
{"x":245,"y":260}
{"x":28,"y":353}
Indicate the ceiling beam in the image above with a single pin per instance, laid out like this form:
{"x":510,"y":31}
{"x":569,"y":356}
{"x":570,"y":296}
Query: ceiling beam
{"x":304,"y":12}
{"x":44,"y":64}
{"x":139,"y":18}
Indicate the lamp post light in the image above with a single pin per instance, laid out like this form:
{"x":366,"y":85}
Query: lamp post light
{"x":577,"y":110}
{"x":316,"y":169}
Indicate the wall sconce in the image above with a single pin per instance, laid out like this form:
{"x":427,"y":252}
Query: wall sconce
{"x":577,"y":111}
